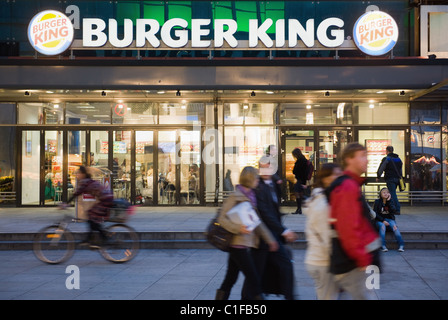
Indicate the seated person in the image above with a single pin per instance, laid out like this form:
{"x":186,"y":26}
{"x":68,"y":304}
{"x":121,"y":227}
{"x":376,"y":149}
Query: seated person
{"x":385,"y":217}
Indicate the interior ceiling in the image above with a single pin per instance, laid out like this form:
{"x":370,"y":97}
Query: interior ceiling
{"x":246,"y":96}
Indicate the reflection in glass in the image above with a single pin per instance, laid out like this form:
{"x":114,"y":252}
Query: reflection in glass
{"x":331,"y":144}
{"x":190,"y":162}
{"x":322,"y":113}
{"x":121,"y":172}
{"x":53,"y":167}
{"x":425,"y":113}
{"x":167,"y":167}
{"x":426,"y":160}
{"x":134,"y":113}
{"x":181,"y":113}
{"x":144,"y":167}
{"x":30,"y":167}
{"x":249,"y":113}
{"x":87,"y":113}
{"x":76,"y":157}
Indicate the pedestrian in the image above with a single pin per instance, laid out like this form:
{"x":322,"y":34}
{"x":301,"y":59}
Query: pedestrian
{"x":300,"y":172}
{"x":276,"y":267}
{"x":100,"y":210}
{"x":317,"y":231}
{"x":355,"y":242}
{"x":392,"y":166}
{"x":385,"y":217}
{"x":240,"y":258}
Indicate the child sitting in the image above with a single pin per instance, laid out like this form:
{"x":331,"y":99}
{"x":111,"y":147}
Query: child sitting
{"x":385,"y":217}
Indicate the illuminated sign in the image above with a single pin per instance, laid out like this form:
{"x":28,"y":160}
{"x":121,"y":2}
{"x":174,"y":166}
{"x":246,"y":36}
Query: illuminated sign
{"x":50,"y":32}
{"x":375,"y":33}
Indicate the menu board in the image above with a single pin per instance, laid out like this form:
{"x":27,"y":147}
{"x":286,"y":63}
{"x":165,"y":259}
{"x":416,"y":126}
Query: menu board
{"x":376,"y":151}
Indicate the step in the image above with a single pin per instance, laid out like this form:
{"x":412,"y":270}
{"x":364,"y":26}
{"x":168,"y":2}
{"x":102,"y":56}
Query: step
{"x":196,"y":240}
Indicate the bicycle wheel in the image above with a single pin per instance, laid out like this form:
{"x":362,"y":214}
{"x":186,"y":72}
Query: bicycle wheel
{"x":122,"y":244}
{"x":54,"y":245}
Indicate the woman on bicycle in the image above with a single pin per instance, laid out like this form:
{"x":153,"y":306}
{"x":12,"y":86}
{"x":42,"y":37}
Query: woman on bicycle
{"x":100,"y":210}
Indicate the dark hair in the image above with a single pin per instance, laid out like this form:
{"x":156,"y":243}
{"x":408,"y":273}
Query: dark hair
{"x":325,"y":171}
{"x":297,"y":153}
{"x":379,"y":193}
{"x":390,"y":149}
{"x":350,"y":150}
{"x":83,"y":170}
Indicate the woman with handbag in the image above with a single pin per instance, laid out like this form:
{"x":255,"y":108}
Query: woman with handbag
{"x":240,"y":258}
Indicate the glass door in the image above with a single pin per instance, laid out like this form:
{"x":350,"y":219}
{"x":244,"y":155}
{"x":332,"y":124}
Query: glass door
{"x":144,"y":168}
{"x":331,"y":144}
{"x":190,"y":163}
{"x":30,"y":167}
{"x":53,"y":167}
{"x":166,"y":167}
{"x":122,"y":169}
{"x":76,"y":157}
{"x":304,"y":140}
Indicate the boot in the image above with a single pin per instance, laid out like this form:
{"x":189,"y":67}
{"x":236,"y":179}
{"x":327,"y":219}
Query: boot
{"x":222,"y":295}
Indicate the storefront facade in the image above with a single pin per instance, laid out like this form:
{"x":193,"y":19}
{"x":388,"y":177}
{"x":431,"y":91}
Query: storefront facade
{"x":175,"y":116}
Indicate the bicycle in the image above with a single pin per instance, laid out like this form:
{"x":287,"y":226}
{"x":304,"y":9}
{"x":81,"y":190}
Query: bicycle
{"x":56,"y":243}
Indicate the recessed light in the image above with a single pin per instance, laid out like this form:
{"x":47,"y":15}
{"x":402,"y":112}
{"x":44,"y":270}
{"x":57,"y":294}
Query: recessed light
{"x":308,"y":106}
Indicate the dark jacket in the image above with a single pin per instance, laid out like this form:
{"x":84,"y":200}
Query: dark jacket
{"x":300,"y":170}
{"x":269,"y":210}
{"x":384,"y":210}
{"x":387,"y":166}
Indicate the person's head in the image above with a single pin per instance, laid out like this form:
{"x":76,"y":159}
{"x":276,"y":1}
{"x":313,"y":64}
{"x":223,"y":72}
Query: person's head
{"x":389,"y":149}
{"x":384,"y":194}
{"x":271,"y":150}
{"x":267,"y":167}
{"x":249,"y":177}
{"x":327,"y":173}
{"x":297,"y":153}
{"x":354,"y":158}
{"x":82,"y":173}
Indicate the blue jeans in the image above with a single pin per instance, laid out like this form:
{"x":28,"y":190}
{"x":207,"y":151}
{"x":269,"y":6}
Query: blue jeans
{"x":382,"y":232}
{"x":392,"y":186}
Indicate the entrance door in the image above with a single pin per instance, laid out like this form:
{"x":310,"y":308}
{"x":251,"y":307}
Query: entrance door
{"x":331,"y":143}
{"x":304,"y":140}
{"x":178,"y":167}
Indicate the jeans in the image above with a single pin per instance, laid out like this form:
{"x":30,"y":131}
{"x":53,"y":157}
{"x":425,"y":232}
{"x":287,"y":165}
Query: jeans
{"x":392,"y":186}
{"x":392,"y":225}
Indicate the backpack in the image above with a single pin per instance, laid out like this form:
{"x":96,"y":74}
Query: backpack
{"x":309,"y":169}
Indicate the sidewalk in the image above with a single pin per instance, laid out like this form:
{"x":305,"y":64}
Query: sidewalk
{"x":419,"y":219}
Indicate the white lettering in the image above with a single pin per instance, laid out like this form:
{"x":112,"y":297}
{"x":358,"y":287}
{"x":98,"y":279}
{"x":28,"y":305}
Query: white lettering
{"x":88,"y":32}
{"x":182,"y":35}
{"x":142,"y":35}
{"x":337,"y":34}
{"x":373,"y":280}
{"x":259,"y":32}
{"x":73,"y":280}
{"x":128,"y":33}
{"x":197,"y":32}
{"x":221,"y":35}
{"x":74,"y":17}
{"x":296,"y":29}
{"x":280,"y":33}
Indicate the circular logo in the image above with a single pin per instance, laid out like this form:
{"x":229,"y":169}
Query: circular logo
{"x":375,"y":33}
{"x":50,"y":32}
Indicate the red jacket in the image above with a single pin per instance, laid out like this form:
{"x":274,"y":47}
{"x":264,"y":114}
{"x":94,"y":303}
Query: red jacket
{"x":354,"y":230}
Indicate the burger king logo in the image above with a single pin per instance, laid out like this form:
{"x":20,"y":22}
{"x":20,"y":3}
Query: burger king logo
{"x":50,"y":32}
{"x":375,"y":33}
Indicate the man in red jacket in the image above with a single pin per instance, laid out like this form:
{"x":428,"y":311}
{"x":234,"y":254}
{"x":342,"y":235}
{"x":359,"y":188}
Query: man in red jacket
{"x":356,"y":234}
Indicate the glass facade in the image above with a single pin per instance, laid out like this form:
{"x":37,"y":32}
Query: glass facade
{"x":191,"y":153}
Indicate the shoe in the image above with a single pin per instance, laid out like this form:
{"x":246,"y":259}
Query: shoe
{"x":298,"y":211}
{"x":401,"y":249}
{"x":384,"y":249}
{"x":222,"y":295}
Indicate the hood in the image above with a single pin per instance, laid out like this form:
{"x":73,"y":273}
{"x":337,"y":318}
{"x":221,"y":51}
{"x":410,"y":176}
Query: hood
{"x":392,"y":155}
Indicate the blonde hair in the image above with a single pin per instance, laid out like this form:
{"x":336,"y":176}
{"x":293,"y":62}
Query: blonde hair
{"x":248,"y":176}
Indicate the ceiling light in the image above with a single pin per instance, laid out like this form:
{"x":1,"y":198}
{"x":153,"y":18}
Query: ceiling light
{"x":380,"y":92}
{"x":308,"y":106}
{"x":246,"y":107}
{"x":160,"y":92}
{"x":56,"y":106}
{"x":270,"y":92}
{"x":371,"y":106}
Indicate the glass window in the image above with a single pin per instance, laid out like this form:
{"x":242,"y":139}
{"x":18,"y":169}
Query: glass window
{"x":8,"y":113}
{"x":383,"y":113}
{"x":167,"y":151}
{"x":30,"y":167}
{"x":40,"y":113}
{"x":376,"y":142}
{"x":190,"y":163}
{"x":122,"y":164}
{"x":244,"y":146}
{"x":7,"y":159}
{"x":426,"y":158}
{"x":181,"y":113}
{"x":53,"y":167}
{"x":445,"y":113}
{"x":87,"y":113}
{"x":144,"y":166}
{"x":135,"y":113}
{"x":249,"y":113}
{"x":316,"y":113}
{"x":425,"y":113}
{"x":444,"y":158}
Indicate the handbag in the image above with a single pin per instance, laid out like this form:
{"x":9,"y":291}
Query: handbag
{"x":339,"y":261}
{"x":217,"y":236}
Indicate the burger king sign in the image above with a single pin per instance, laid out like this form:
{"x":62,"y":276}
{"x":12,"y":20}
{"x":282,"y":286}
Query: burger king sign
{"x":50,"y":32}
{"x":375,"y":33}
